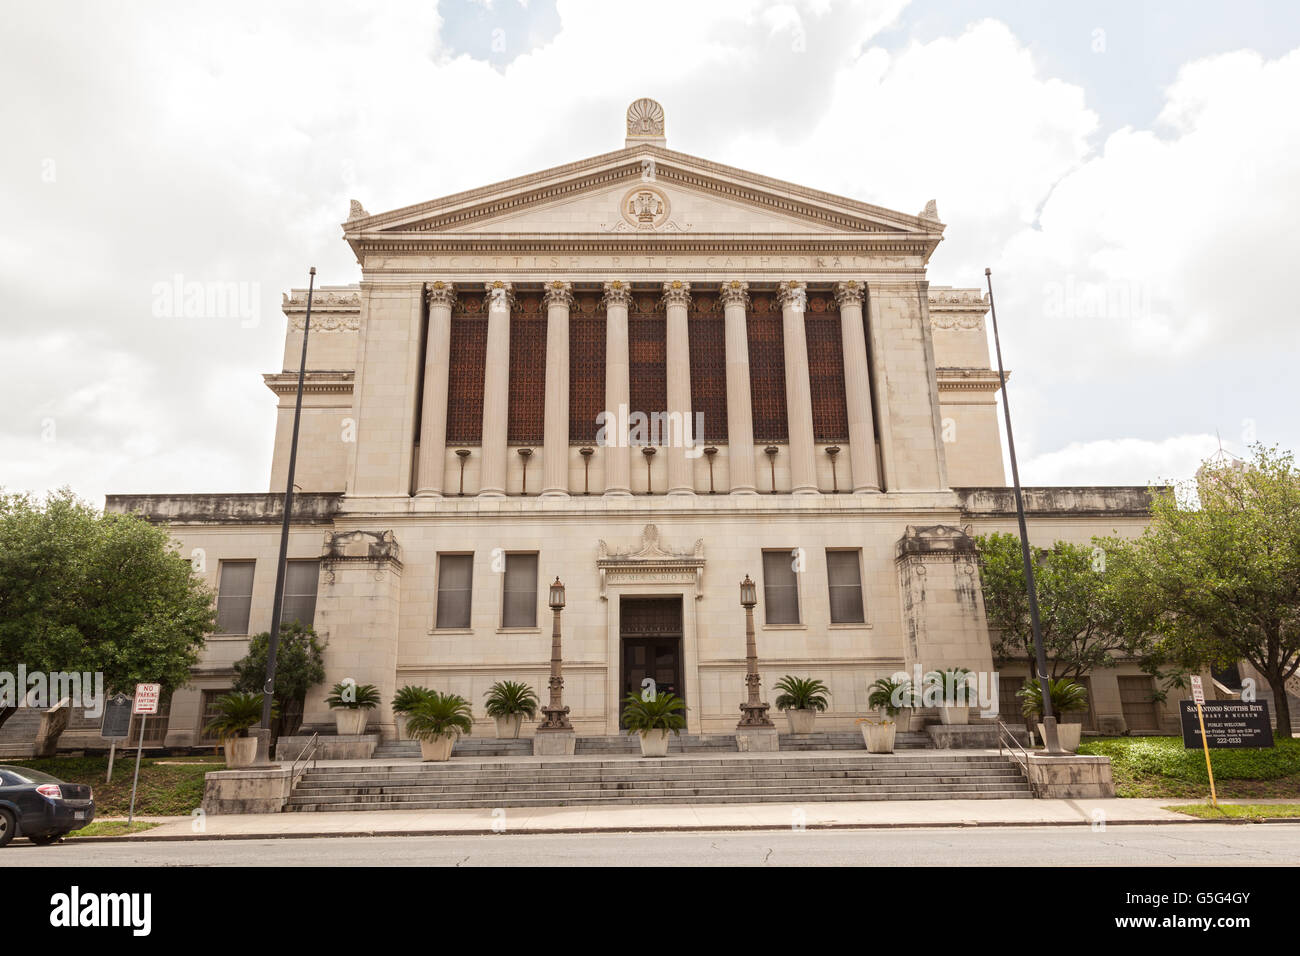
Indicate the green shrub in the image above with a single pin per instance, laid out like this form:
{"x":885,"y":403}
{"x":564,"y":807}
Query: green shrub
{"x":801,"y":693}
{"x":507,"y":698}
{"x":1136,"y":757}
{"x":661,"y":712}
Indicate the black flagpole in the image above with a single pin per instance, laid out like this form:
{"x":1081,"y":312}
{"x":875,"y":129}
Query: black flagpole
{"x":268,"y":691}
{"x":1052,"y":742}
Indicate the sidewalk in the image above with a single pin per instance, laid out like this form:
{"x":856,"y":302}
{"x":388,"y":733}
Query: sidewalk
{"x":763,"y":816}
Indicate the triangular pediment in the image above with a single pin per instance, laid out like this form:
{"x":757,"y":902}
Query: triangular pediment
{"x":640,"y":191}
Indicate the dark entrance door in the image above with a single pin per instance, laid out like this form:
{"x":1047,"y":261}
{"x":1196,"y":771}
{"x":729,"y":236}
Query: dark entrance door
{"x":651,"y":633}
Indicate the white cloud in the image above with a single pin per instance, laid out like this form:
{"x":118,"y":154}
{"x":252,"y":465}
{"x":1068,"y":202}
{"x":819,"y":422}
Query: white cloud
{"x":225,"y":148}
{"x":1121,"y":461}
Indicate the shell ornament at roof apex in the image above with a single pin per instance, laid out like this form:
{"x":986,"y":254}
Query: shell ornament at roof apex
{"x":645,"y":121}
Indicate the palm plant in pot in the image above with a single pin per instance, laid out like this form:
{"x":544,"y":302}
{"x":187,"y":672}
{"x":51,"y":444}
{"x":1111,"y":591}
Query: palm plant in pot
{"x":508,"y":703}
{"x":895,"y":698}
{"x":237,"y":714}
{"x":403,"y":702}
{"x":352,"y":704}
{"x":436,"y":721}
{"x":653,"y":718}
{"x":1067,"y":696}
{"x":801,"y":698}
{"x":951,"y":693}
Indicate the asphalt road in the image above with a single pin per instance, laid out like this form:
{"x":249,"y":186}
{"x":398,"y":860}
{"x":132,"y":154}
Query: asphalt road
{"x":1169,"y":845}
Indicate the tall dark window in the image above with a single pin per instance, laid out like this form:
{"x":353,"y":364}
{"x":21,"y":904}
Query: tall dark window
{"x":455,"y":586}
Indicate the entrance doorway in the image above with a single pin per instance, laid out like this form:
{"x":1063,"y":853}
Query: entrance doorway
{"x":650,"y":632}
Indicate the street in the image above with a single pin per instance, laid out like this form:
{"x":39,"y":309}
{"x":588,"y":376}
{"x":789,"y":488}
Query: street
{"x":1168,"y":845}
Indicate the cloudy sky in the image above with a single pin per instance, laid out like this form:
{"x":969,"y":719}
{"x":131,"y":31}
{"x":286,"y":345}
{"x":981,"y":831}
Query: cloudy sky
{"x":1129,"y":171}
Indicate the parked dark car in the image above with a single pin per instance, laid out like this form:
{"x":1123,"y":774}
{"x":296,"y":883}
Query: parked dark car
{"x":40,"y":807}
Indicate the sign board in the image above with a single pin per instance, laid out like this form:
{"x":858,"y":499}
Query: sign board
{"x":146,"y":698}
{"x":116,"y":723}
{"x":1198,"y":691}
{"x":1229,"y":724}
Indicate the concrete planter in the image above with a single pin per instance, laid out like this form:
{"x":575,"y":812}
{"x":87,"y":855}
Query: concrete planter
{"x":904,"y":719}
{"x":1067,"y":734}
{"x":437,"y":748}
{"x":801,"y":721}
{"x":508,"y":727}
{"x":952,"y":714}
{"x":349,"y":722}
{"x":240,"y":752}
{"x":654,"y":743}
{"x":399,"y":721}
{"x":879,"y":737}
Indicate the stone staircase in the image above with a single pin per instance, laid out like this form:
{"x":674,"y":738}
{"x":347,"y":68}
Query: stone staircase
{"x":558,"y":782}
{"x":18,"y":735}
{"x":624,"y":744}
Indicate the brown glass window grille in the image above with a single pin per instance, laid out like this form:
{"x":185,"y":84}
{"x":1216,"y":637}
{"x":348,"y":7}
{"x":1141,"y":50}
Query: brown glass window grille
{"x":767,"y":368}
{"x":526,"y":422}
{"x":708,"y":344}
{"x":586,"y":366}
{"x":646,"y":356}
{"x":468,"y":351}
{"x":826,"y":369}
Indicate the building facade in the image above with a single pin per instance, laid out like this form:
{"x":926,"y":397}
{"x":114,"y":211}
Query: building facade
{"x":647,"y":375}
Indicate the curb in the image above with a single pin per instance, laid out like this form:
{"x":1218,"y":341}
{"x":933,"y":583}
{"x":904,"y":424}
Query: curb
{"x":534,"y":831}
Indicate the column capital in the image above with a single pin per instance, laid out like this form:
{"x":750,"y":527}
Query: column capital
{"x":849,"y":293}
{"x":499,"y":296}
{"x":793,"y":294}
{"x":735,"y":292}
{"x":677,"y":292}
{"x":617,"y":292}
{"x":558,"y":293}
{"x":439,"y":292}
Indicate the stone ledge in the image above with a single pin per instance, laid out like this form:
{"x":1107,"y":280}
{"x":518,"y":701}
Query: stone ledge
{"x":1074,"y":776}
{"x":263,"y":790}
{"x":1068,"y":502}
{"x":241,"y":509}
{"x":331,"y":747}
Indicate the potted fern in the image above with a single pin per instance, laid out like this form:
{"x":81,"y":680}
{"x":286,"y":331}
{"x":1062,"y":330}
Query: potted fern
{"x":236,"y":714}
{"x":436,"y":721}
{"x":894,"y":698}
{"x":653,"y":718}
{"x":352,"y":704}
{"x":950,"y":689}
{"x":403,"y":701}
{"x":508,"y":703}
{"x":1067,"y":696}
{"x":801,"y":698}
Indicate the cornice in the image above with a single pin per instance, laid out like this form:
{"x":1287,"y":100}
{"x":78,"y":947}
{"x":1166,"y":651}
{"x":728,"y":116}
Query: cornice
{"x":286,"y":383}
{"x":968,"y":379}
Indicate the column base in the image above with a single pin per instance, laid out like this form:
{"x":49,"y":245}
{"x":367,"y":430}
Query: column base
{"x":757,"y":740}
{"x":428,"y":493}
{"x":491,"y":493}
{"x":867,"y":490}
{"x":554,"y":493}
{"x":554,"y":743}
{"x":681,"y":491}
{"x":617,"y":493}
{"x":805,"y":491}
{"x":744,"y":490}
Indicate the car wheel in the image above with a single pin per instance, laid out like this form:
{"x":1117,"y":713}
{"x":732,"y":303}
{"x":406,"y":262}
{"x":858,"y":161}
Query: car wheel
{"x":47,"y":838}
{"x":7,"y":827}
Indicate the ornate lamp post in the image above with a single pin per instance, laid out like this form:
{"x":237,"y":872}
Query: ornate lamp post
{"x":555,"y":735}
{"x":755,"y":730}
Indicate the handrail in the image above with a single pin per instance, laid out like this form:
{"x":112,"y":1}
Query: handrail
{"x":1007,"y":743}
{"x":294,"y":772}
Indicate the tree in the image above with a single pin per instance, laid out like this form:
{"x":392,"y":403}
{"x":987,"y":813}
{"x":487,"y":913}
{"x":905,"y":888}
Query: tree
{"x":299,"y":666}
{"x":1216,"y":574}
{"x":85,"y":591}
{"x":1080,"y":622}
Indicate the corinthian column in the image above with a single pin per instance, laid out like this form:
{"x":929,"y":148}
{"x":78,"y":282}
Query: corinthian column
{"x":433,"y":408}
{"x":496,"y":390}
{"x":740,"y":410}
{"x":677,"y":297}
{"x":857,"y":388}
{"x":618,"y":473}
{"x":798,"y":393}
{"x":555,"y":449}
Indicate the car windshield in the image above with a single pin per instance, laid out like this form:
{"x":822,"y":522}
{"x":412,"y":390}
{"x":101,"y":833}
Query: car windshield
{"x":27,"y":775}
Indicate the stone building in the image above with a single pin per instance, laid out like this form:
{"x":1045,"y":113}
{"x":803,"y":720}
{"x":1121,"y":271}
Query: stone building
{"x":648,"y":375}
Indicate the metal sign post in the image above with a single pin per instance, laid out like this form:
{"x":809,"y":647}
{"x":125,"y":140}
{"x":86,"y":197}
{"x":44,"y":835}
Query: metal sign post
{"x":1198,"y":695}
{"x":146,"y":703}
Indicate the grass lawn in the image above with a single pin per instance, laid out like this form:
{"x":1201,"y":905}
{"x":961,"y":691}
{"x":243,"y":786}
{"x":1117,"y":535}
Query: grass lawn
{"x":1241,"y":811}
{"x":169,"y":786}
{"x":113,"y":828}
{"x":1160,"y":767}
